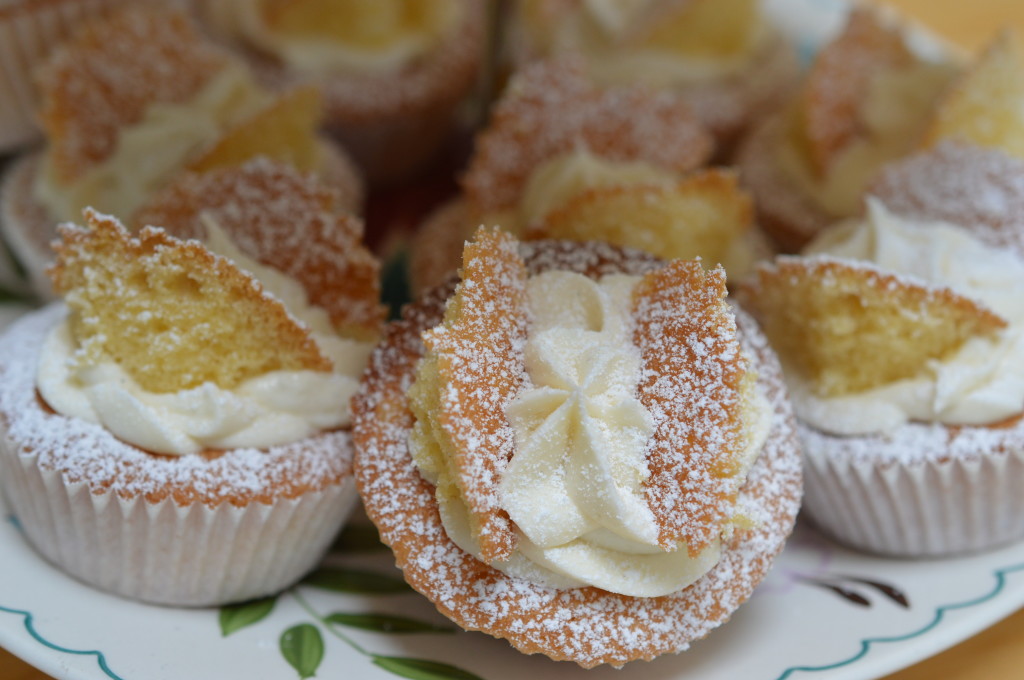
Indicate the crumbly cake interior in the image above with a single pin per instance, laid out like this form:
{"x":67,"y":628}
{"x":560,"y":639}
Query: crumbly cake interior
{"x":848,"y":326}
{"x":699,"y":216}
{"x":287,"y":220}
{"x":983,"y":107}
{"x":366,"y":24}
{"x":106,"y":76}
{"x":172,"y":314}
{"x":285,"y":131}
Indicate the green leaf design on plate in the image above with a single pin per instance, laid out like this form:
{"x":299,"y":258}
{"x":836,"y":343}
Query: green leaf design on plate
{"x":342,"y":580}
{"x":422,"y":669}
{"x":358,"y":538}
{"x":238,"y":616}
{"x":302,"y":647}
{"x":386,"y":623}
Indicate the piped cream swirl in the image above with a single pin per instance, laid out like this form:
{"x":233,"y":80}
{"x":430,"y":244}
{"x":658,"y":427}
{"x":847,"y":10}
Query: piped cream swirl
{"x":278,"y":407}
{"x":575,"y":485}
{"x":981,"y":383}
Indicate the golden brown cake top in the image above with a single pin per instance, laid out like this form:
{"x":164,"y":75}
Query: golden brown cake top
{"x":693,"y":375}
{"x":171,"y":313}
{"x":110,"y":72}
{"x":479,"y":350}
{"x":839,"y":80}
{"x":287,"y":220}
{"x":551,"y":108}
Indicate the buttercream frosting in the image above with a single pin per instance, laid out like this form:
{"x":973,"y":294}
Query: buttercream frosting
{"x":609,"y":34}
{"x":394,"y":38}
{"x":278,"y":407}
{"x":983,"y":381}
{"x":149,"y":153}
{"x":575,"y":486}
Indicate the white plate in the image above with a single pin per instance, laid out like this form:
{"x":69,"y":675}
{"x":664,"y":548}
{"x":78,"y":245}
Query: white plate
{"x":795,"y":626}
{"x":823,"y":612}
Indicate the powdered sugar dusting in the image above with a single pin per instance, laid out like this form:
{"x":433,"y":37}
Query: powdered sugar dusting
{"x":480,"y":365}
{"x":110,"y":72}
{"x":919,"y":444}
{"x":692,"y":376}
{"x":551,"y":108}
{"x":584,"y":625}
{"x":595,"y":259}
{"x":286,"y":220}
{"x":84,"y":452}
{"x":981,"y":190}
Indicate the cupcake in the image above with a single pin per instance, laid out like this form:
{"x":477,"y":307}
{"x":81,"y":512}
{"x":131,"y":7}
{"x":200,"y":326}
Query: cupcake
{"x":392,"y":72}
{"x":866,"y":101}
{"x":29,"y":31}
{"x":177,"y":431}
{"x":723,"y":57}
{"x":903,"y":346}
{"x":132,"y":100}
{"x":565,"y":159}
{"x":578,"y":449}
{"x":972,"y":171}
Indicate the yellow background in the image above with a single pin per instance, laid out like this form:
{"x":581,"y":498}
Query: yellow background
{"x":998,"y":653}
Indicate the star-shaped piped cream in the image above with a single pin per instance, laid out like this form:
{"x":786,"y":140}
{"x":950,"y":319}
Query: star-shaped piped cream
{"x":579,"y":465}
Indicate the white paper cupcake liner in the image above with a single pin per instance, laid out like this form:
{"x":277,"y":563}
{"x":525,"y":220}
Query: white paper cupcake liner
{"x":166,"y":553}
{"x":917,"y":508}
